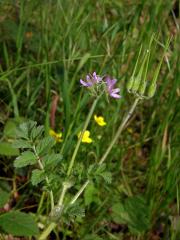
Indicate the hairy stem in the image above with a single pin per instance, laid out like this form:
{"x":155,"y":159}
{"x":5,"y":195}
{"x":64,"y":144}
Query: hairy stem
{"x":46,"y":178}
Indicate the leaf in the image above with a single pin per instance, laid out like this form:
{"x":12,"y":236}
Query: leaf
{"x":18,"y":223}
{"x":119,"y":213}
{"x":23,"y":131}
{"x":7,"y":149}
{"x":37,"y":132}
{"x":133,"y":212}
{"x":21,"y":144}
{"x":26,"y":158}
{"x":76,"y":210}
{"x":89,"y":194}
{"x":37,"y":176}
{"x":107,"y":176}
{"x":10,"y":129}
{"x":4,"y":197}
{"x":45,"y":145}
{"x":52,"y":159}
{"x":138,"y":212}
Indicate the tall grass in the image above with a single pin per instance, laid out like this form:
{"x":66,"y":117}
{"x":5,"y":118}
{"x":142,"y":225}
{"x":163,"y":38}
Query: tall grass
{"x":46,"y":47}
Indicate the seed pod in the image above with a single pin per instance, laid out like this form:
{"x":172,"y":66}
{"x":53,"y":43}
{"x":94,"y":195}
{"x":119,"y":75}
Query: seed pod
{"x":151,"y":90}
{"x":136,"y":84}
{"x":130,"y":84}
{"x":142,"y":88}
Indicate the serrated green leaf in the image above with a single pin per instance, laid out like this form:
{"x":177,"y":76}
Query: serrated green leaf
{"x":21,"y":144}
{"x":52,"y":159}
{"x":101,"y":168}
{"x":37,"y":176}
{"x":76,"y":210}
{"x":10,"y":129}
{"x":7,"y":149}
{"x":45,"y":145}
{"x":26,"y":158}
{"x":89,"y":194}
{"x":37,"y":132}
{"x":18,"y":223}
{"x":4,"y":196}
{"x":107,"y":176}
{"x":24,"y":129}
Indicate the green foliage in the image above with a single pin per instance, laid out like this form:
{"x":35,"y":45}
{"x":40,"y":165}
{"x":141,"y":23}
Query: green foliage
{"x":90,"y":194}
{"x":134,"y":212}
{"x":37,"y":176}
{"x":4,"y":197}
{"x":95,"y":171}
{"x":75,"y":210}
{"x":44,"y":145}
{"x":20,"y":143}
{"x":18,"y":224}
{"x":52,"y":159}
{"x":73,"y":43}
{"x":25,"y":159}
{"x":7,"y":149}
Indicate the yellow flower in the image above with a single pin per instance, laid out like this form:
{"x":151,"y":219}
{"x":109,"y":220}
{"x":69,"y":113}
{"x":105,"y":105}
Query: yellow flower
{"x":57,"y":136}
{"x":85,"y":137}
{"x":99,"y":120}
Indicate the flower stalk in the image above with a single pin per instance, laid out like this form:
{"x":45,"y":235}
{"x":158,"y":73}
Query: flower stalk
{"x":121,"y":127}
{"x":81,"y":136}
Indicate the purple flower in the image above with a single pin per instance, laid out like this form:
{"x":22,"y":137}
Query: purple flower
{"x":91,"y":80}
{"x":113,"y":92}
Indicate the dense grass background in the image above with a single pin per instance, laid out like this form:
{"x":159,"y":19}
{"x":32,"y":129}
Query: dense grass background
{"x":45,"y":48}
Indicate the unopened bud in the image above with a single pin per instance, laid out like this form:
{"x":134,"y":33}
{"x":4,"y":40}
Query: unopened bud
{"x":151,"y":90}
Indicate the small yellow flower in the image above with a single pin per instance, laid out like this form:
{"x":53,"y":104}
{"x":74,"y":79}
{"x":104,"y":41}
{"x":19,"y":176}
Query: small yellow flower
{"x":57,"y":136}
{"x":85,"y":137}
{"x":99,"y":120}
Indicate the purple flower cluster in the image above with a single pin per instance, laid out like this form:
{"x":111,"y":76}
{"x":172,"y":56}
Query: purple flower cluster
{"x":94,"y":79}
{"x":91,"y":80}
{"x":113,"y":92}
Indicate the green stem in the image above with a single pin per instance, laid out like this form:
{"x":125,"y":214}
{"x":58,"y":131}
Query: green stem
{"x":52,"y":225}
{"x":46,"y":178}
{"x":79,"y":192}
{"x":61,"y":198}
{"x":47,"y":231}
{"x":80,"y":138}
{"x":121,"y":127}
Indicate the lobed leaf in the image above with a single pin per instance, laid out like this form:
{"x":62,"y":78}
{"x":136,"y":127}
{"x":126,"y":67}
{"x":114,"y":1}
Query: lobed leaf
{"x":52,"y":159}
{"x":45,"y":145}
{"x":37,"y":176}
{"x":25,"y":159}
